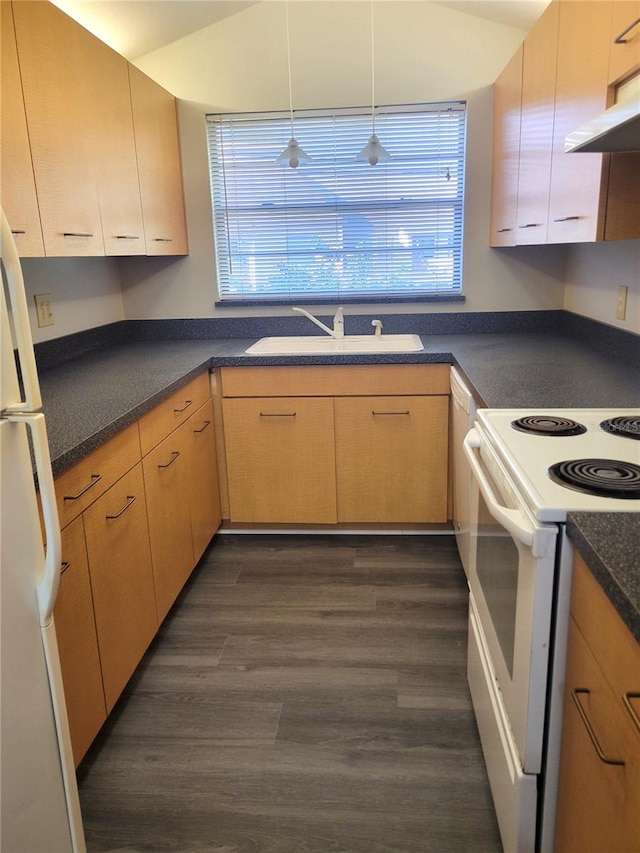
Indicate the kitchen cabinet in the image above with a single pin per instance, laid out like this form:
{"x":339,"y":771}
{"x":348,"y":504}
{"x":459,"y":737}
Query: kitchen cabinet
{"x":78,"y":643}
{"x":157,"y":143}
{"x":204,"y":490}
{"x":624,"y":53}
{"x":303,"y":445}
{"x":59,"y":103}
{"x":507,"y":99}
{"x":18,"y":188}
{"x":599,"y":792}
{"x":536,"y":127}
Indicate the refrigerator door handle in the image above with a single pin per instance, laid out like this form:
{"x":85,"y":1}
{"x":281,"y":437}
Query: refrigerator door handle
{"x":21,"y":325}
{"x":47,"y":589}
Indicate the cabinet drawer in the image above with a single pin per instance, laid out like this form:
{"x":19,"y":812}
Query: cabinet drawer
{"x":79,"y":487}
{"x":609,"y":639}
{"x":334,"y":381}
{"x":166,"y":416}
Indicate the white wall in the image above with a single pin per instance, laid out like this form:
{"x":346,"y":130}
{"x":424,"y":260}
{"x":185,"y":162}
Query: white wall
{"x":84,"y":293}
{"x":424,"y":52}
{"x":594,"y":272}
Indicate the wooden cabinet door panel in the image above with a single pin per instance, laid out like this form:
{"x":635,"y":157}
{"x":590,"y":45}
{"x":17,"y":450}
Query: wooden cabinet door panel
{"x":280,"y":459}
{"x":59,"y":108}
{"x":78,"y":643}
{"x":507,"y":94}
{"x":19,"y":200}
{"x":624,"y":53}
{"x":578,"y":181}
{"x":122,"y":580}
{"x":204,"y":491}
{"x":166,"y":473}
{"x":391,"y":459}
{"x":536,"y":128}
{"x":156,"y":132}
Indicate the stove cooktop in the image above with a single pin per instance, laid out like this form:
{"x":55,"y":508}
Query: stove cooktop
{"x":543,"y":448}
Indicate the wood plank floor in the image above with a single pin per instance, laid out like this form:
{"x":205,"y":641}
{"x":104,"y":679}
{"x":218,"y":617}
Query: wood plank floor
{"x":305,"y":695}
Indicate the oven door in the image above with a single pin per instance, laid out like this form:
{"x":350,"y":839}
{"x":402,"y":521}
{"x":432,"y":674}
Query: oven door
{"x":511,"y":581}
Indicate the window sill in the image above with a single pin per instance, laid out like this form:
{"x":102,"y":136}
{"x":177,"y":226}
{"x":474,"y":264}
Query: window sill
{"x":365,"y":300}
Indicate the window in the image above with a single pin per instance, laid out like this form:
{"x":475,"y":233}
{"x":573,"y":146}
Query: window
{"x":336,"y":229}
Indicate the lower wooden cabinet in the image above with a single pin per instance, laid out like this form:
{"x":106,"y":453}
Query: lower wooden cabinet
{"x":280,"y":459}
{"x":391,"y":458}
{"x":204,"y":489}
{"x":121,"y":579}
{"x":599,"y":793}
{"x":78,"y":643}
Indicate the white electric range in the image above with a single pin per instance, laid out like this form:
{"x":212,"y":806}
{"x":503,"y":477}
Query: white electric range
{"x":530,"y":469}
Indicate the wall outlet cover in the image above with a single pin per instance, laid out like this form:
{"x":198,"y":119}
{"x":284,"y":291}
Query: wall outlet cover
{"x":44,"y":310}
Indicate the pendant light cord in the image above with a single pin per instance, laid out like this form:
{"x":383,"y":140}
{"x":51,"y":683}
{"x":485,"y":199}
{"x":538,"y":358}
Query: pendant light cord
{"x":373,"y":75}
{"x":286,"y":7}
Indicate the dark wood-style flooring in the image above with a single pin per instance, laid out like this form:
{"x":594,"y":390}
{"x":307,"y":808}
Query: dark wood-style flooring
{"x":305,"y":695}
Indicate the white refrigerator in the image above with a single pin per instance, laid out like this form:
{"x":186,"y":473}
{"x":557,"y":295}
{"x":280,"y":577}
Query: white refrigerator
{"x":39,"y":805}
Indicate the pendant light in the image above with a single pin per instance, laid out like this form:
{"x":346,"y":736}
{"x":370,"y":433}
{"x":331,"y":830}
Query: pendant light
{"x":292,"y":155}
{"x":373,"y":151}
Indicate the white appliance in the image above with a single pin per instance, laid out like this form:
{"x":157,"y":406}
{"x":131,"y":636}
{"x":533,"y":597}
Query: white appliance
{"x":463,"y":412}
{"x":39,"y":805}
{"x":520,"y":583}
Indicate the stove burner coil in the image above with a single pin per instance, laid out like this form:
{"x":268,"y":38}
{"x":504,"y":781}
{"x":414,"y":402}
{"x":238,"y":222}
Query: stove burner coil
{"x":548,"y":425}
{"x":606,"y":478}
{"x":625,"y":427}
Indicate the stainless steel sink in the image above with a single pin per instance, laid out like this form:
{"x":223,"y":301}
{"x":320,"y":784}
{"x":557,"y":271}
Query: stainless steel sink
{"x":325,"y":345}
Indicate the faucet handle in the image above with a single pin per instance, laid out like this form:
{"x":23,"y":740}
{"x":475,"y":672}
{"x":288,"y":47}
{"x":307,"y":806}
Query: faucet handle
{"x":338,"y":323}
{"x":378,"y":327}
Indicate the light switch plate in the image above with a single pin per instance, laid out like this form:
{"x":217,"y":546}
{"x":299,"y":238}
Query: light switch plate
{"x":44,"y":309}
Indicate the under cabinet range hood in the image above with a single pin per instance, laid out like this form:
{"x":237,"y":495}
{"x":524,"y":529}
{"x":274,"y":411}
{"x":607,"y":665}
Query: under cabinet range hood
{"x":615,"y":129}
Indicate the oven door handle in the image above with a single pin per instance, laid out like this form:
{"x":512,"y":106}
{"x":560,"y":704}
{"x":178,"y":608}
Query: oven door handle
{"x":511,"y":519}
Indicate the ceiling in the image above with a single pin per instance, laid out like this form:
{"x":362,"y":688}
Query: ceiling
{"x":137,"y":27}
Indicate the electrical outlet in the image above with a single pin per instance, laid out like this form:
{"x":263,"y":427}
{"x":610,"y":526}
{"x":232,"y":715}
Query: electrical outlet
{"x":621,"y":307}
{"x":44,"y":309}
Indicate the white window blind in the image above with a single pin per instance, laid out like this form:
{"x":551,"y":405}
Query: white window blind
{"x":334,"y":228}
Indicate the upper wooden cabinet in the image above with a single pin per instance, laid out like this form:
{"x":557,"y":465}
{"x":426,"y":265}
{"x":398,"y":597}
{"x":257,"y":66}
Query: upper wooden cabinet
{"x":156,"y":131}
{"x":624,"y":53}
{"x":507,"y":97}
{"x":67,"y":107}
{"x":18,"y":188}
{"x":54,"y":53}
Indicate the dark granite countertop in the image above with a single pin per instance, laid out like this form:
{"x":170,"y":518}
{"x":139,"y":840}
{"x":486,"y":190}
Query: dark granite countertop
{"x":609,"y":543}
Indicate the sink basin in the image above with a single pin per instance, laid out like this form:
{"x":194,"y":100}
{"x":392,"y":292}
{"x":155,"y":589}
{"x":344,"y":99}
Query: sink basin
{"x":324,"y":345}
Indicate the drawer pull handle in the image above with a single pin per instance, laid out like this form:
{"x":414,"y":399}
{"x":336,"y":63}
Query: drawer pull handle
{"x":64,"y":567}
{"x":163,"y":239}
{"x":391,"y":413}
{"x":592,"y":735}
{"x":174,"y":456}
{"x":567,"y":218}
{"x":95,"y":478}
{"x":620,"y":39}
{"x":277,"y":414}
{"x":184,"y":408}
{"x":626,"y":699}
{"x":502,"y":230}
{"x":76,"y":234}
{"x":130,"y":500}
{"x":203,"y":427}
{"x":127,"y":237}
{"x":530,"y":225}
{"x":16,"y":231}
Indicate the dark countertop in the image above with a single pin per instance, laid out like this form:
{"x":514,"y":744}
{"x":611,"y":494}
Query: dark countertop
{"x":609,"y":543}
{"x":88,"y":400}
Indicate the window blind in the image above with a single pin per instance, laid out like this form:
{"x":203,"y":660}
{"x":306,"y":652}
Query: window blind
{"x":335,"y":228}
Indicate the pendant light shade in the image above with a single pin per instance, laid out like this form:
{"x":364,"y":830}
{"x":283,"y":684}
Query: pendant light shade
{"x":373,"y":152}
{"x":292,"y":155}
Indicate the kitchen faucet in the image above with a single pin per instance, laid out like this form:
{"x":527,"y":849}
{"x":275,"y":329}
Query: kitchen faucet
{"x":338,"y":322}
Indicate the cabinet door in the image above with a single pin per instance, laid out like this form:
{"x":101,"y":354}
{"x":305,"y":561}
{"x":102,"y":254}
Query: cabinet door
{"x":204,"y":490}
{"x":18,"y":189}
{"x":78,"y":643}
{"x":578,"y":186}
{"x":119,"y":188}
{"x":536,"y":128}
{"x":122,"y":580}
{"x":280,"y":459}
{"x":156,"y":132}
{"x":507,"y":94}
{"x":166,"y":480}
{"x":624,"y":53}
{"x":391,"y":458}
{"x":58,"y":97}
